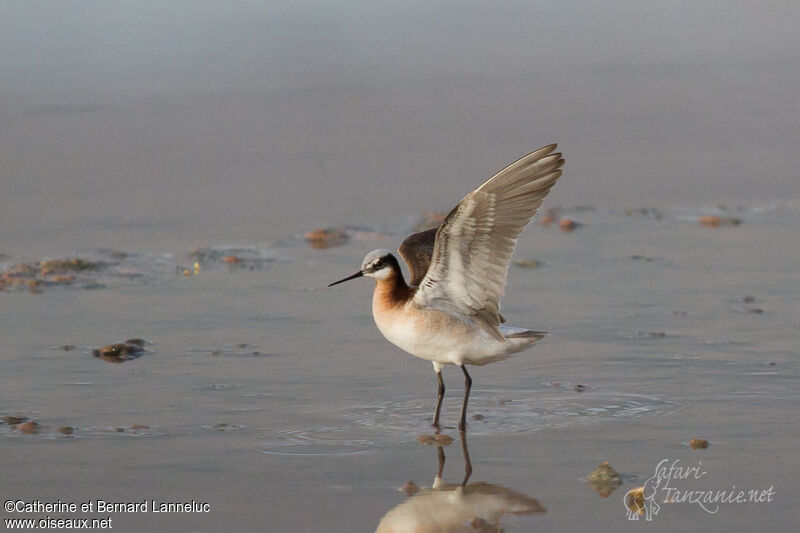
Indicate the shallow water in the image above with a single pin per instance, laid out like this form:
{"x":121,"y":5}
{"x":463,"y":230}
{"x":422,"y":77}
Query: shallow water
{"x":275,"y":399}
{"x":263,"y":391}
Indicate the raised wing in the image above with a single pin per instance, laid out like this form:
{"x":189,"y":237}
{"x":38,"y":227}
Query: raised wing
{"x":416,"y":251}
{"x":473,"y":245}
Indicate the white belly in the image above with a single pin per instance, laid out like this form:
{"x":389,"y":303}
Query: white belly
{"x":440,"y":337}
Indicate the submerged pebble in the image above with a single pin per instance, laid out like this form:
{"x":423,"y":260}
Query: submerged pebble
{"x":322,"y":238}
{"x":28,"y":427}
{"x":698,"y":444}
{"x":546,"y":220}
{"x":241,"y":257}
{"x":439,"y":440}
{"x":567,"y":224}
{"x":67,"y":265}
{"x":604,"y":479}
{"x":604,"y":473}
{"x":478,"y":417}
{"x":120,"y":352}
{"x":38,"y":275}
{"x":715,"y":221}
{"x":527,"y":263}
{"x":410,"y":488}
{"x":66,"y":430}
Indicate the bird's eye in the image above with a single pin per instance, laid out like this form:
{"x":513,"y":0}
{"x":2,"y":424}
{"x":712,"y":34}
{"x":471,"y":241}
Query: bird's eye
{"x":379,"y":263}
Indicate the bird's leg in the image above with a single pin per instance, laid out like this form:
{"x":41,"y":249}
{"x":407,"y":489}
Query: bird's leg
{"x":440,"y":452}
{"x":462,"y":424}
{"x":439,"y":399}
{"x":467,"y":460}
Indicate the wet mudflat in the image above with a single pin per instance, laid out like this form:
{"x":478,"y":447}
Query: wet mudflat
{"x":274,"y":398}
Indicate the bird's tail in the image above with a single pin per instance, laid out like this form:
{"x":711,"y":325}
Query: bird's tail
{"x":510,"y":332}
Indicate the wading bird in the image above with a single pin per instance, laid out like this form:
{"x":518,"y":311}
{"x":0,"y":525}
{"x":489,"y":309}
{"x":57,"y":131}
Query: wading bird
{"x":450,"y":313}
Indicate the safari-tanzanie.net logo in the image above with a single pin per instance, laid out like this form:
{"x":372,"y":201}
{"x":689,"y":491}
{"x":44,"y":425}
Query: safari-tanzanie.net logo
{"x":673,"y":483}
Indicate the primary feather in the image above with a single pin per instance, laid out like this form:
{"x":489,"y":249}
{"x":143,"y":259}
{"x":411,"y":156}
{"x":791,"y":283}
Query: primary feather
{"x":473,"y":246}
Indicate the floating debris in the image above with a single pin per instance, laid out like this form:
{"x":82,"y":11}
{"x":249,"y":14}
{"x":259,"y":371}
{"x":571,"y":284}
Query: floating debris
{"x":580,"y":388}
{"x":326,"y":238}
{"x":120,"y":352}
{"x":239,"y":257}
{"x":550,"y":216}
{"x":74,"y":264}
{"x":66,"y":430}
{"x":30,"y":427}
{"x":546,"y":220}
{"x":139,"y":426}
{"x":527,"y":263}
{"x":604,"y":479}
{"x":748,"y":299}
{"x":410,"y":488}
{"x":78,"y":272}
{"x":567,"y":224}
{"x":715,"y":221}
{"x":698,"y":444}
{"x":439,"y":440}
{"x":478,"y":417}
{"x":14,"y":420}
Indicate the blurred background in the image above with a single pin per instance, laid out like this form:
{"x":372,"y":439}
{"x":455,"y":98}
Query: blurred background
{"x":148,"y":123}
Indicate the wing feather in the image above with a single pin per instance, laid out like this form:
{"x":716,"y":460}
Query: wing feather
{"x":416,"y":251}
{"x":473,"y":246}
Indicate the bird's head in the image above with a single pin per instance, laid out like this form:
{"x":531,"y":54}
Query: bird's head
{"x":378,"y":264}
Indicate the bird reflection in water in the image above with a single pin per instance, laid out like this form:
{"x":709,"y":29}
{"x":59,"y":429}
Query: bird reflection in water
{"x":467,"y":507}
